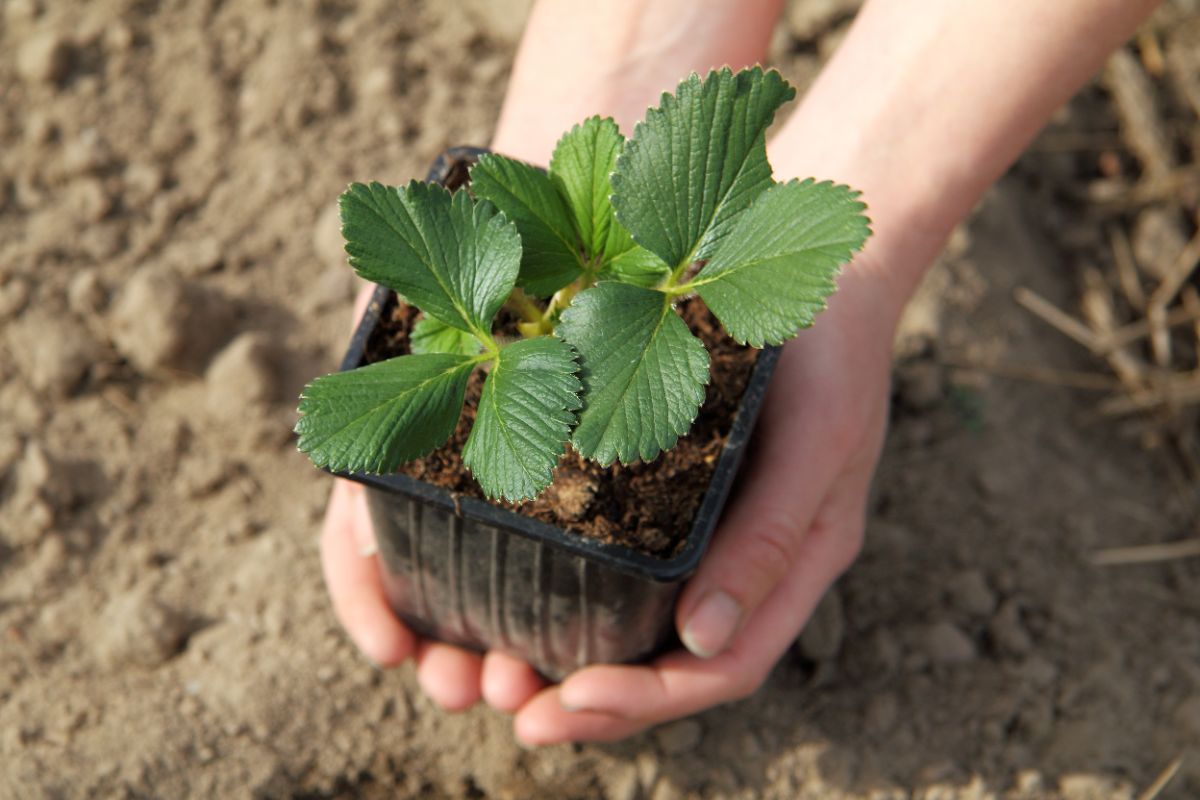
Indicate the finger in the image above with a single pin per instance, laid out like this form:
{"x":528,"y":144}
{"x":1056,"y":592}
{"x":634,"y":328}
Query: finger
{"x":543,"y":720}
{"x":679,"y":683}
{"x":508,"y":683}
{"x":354,"y":584}
{"x":449,"y":675}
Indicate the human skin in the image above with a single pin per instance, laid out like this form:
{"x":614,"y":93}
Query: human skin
{"x":922,"y":107}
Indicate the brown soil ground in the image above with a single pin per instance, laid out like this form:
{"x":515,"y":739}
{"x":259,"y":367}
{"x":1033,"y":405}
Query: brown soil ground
{"x":170,"y":275}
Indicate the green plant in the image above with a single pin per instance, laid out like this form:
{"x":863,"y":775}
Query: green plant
{"x":592,"y":257}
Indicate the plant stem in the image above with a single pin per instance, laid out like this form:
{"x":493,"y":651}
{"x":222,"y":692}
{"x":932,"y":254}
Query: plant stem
{"x":533,"y":321}
{"x":563,"y":297}
{"x":523,"y":306}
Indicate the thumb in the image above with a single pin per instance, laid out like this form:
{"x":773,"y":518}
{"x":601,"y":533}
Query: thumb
{"x":757,"y":545}
{"x":788,"y":492}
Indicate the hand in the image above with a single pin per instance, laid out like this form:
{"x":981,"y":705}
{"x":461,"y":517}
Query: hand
{"x":453,"y":678}
{"x":794,"y":526}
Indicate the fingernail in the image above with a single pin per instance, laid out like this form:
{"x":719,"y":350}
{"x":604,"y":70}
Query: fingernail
{"x":367,"y":550}
{"x":574,"y":701}
{"x":712,"y":625}
{"x":567,"y":702}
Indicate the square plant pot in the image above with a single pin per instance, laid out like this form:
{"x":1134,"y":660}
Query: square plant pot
{"x":465,"y":571}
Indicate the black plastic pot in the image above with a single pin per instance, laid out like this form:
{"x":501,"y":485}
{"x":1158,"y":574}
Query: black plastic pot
{"x":475,"y":574}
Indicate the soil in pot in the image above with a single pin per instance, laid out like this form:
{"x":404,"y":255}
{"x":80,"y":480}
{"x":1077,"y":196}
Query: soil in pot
{"x":646,"y":506}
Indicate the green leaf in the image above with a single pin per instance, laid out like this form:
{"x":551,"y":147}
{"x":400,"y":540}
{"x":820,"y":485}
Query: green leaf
{"x":696,"y":161}
{"x":583,"y":160}
{"x":643,"y":372}
{"x":524,"y":418}
{"x":776,"y":268}
{"x":582,"y":165}
{"x":551,"y":249}
{"x":454,"y":259}
{"x":374,"y":418}
{"x":430,"y":335}
{"x":635,"y":265}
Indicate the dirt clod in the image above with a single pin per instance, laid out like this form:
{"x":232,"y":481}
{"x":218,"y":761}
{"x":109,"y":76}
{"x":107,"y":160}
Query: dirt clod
{"x":243,"y":374}
{"x":44,"y":58}
{"x":14,"y":294}
{"x":679,"y":737}
{"x":572,"y":493}
{"x":53,"y":351}
{"x":946,"y":644}
{"x":86,"y":294}
{"x":162,"y":322}
{"x":136,"y":629}
{"x":969,"y":592}
{"x":1007,"y":631}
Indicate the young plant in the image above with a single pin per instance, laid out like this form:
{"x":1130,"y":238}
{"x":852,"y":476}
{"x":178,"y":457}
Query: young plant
{"x":592,"y":255}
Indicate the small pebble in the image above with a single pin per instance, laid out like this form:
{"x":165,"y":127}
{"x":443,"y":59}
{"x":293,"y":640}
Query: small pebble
{"x":946,"y":644}
{"x":86,"y":295}
{"x":142,"y":181}
{"x":665,"y":790}
{"x":1038,"y":671}
{"x":10,"y":448}
{"x":1007,"y":631}
{"x":201,"y":475}
{"x":969,"y":593}
{"x":86,"y":153}
{"x":88,"y":201}
{"x":648,"y":769}
{"x":1084,"y":786}
{"x":677,"y":738}
{"x":920,"y":385}
{"x":882,"y":712}
{"x":377,"y":84}
{"x":14,"y":294}
{"x":36,"y":472}
{"x":621,"y":782}
{"x":44,"y":58}
{"x":39,"y":128}
{"x":198,"y":257}
{"x":118,"y":37}
{"x":1187,"y":716}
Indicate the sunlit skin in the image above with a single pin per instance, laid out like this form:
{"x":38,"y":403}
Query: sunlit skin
{"x":922,"y":107}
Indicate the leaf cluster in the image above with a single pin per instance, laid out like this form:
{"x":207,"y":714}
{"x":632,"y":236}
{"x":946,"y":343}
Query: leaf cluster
{"x":592,"y":254}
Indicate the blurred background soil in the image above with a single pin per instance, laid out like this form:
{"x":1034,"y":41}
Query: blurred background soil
{"x":171,"y":273}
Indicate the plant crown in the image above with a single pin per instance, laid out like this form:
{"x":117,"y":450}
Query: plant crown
{"x":592,"y":256}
